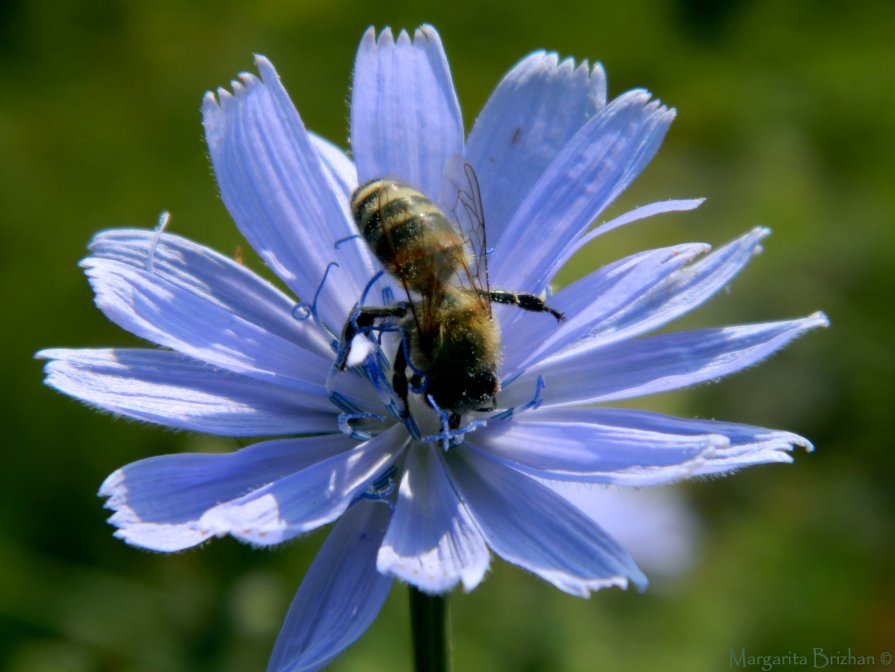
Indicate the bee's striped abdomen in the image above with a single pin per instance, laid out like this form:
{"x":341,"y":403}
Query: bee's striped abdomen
{"x":413,"y":239}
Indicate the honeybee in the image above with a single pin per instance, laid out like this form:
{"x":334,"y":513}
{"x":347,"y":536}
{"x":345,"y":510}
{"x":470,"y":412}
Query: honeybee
{"x":450,"y":340}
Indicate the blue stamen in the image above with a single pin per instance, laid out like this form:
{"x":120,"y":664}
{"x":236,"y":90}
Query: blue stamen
{"x":410,"y":363}
{"x":538,"y":398}
{"x":374,"y":371}
{"x":421,"y":389}
{"x":363,"y":296}
{"x":449,"y":437}
{"x":506,"y":414}
{"x":386,"y":481}
{"x":345,"y":420}
{"x":384,"y":329}
{"x":506,"y":382}
{"x":535,"y":402}
{"x":381,"y":489}
{"x":412,"y":428}
{"x":303,"y":310}
{"x":340,"y":241}
{"x":356,"y":312}
{"x":329,"y":267}
{"x":340,"y":401}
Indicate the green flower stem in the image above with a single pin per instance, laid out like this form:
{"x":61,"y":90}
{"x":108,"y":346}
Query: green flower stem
{"x":429,"y":620}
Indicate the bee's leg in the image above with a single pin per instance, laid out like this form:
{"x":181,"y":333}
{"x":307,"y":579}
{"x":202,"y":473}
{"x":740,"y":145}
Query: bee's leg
{"x":399,"y":375}
{"x":360,"y":320}
{"x":524,"y":301}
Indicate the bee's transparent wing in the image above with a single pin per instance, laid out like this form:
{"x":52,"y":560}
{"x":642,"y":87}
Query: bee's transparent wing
{"x":463,"y":199}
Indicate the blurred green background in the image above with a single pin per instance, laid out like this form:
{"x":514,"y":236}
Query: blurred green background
{"x":785,"y":119}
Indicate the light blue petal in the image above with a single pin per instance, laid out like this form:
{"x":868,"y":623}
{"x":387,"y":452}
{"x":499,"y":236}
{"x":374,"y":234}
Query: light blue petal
{"x":657,"y":525}
{"x":212,"y":277}
{"x":280,"y":193}
{"x":306,"y":499}
{"x":586,"y":374}
{"x":405,"y":118}
{"x":339,"y":170}
{"x":583,"y":444}
{"x":166,"y":388}
{"x":432,"y":542}
{"x":627,"y":447}
{"x":527,"y":524}
{"x":176,"y":316}
{"x":158,"y":501}
{"x":741,"y":437}
{"x":748,"y":445}
{"x":595,"y":166}
{"x":340,"y":596}
{"x":534,"y":111}
{"x":635,"y":215}
{"x":342,"y":176}
{"x":682,"y":291}
{"x":586,"y":303}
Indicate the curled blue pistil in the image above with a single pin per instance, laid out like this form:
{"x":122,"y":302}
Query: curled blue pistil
{"x":345,"y":426}
{"x":535,"y":402}
{"x":382,"y":488}
{"x":447,"y":436}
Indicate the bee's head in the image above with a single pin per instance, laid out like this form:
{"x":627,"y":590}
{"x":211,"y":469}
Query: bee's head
{"x":462,"y":391}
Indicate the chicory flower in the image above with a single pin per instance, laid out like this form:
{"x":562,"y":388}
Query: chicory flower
{"x":239,"y":357}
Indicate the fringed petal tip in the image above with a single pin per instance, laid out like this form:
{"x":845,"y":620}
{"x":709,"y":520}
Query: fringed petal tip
{"x":653,"y":107}
{"x":113,"y":490}
{"x":550,"y":66}
{"x":256,"y":522}
{"x":817,"y":319}
{"x":134,"y":531}
{"x":551,"y":61}
{"x":432,"y":541}
{"x":427,"y":31}
{"x":803,"y":443}
{"x":268,"y":73}
{"x":407,"y":133}
{"x":776,"y":449}
{"x":245,"y":82}
{"x":372,"y":40}
{"x":584,"y":587}
{"x":423,"y":35}
{"x":406,"y":570}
